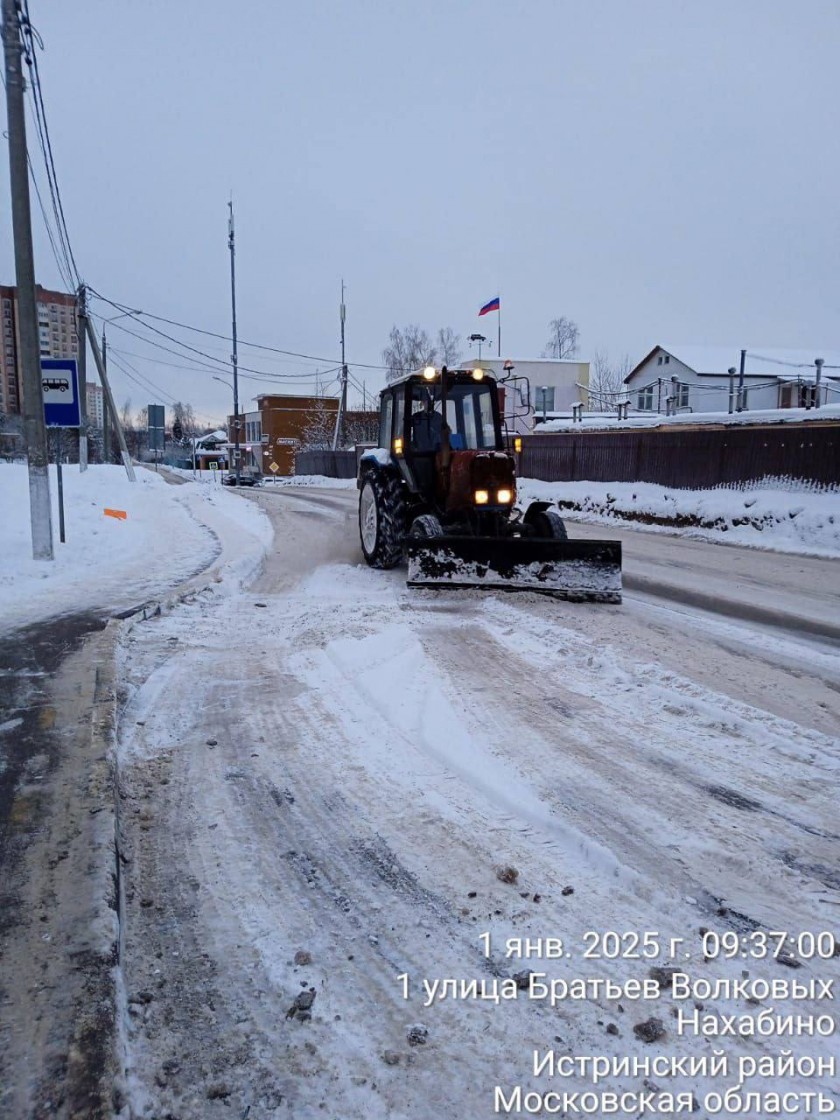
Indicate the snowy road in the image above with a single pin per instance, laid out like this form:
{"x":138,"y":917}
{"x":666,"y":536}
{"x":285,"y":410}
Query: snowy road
{"x":322,"y":779}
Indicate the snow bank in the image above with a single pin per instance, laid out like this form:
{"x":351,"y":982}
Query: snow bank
{"x":169,"y":533}
{"x":781,"y":519}
{"x":313,"y":480}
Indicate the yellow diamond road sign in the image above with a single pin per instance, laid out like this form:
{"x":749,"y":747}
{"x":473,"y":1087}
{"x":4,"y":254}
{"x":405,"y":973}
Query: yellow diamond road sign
{"x":273,"y":467}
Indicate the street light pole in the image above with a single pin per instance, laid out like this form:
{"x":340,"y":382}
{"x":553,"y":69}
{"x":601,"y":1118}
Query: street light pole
{"x":234,"y":357}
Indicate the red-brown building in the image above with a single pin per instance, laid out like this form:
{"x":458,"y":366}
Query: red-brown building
{"x":280,"y":426}
{"x":283,"y":425}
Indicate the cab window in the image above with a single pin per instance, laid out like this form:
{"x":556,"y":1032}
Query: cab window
{"x":385,"y":420}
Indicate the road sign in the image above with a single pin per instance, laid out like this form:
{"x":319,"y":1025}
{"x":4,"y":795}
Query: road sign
{"x":60,"y":387}
{"x":157,"y":427}
{"x":273,"y":468}
{"x":213,"y":465}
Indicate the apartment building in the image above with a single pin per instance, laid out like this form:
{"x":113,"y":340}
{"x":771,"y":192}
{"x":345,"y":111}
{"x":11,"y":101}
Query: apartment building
{"x":56,"y":337}
{"x":95,"y":405}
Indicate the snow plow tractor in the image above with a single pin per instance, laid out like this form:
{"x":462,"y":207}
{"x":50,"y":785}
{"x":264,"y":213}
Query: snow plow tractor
{"x":441,"y":490}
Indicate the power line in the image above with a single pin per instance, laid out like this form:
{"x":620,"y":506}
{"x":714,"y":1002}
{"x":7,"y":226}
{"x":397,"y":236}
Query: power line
{"x":219,"y":366}
{"x":147,"y":386}
{"x":29,"y":37}
{"x":223,"y":337}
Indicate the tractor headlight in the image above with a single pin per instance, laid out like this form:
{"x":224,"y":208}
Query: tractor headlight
{"x":478,"y":374}
{"x":430,"y":373}
{"x":517,"y":444}
{"x":398,"y":446}
{"x":504,"y":497}
{"x":482,"y":497}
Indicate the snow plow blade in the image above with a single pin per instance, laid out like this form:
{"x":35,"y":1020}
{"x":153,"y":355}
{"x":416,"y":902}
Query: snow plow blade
{"x":582,"y":571}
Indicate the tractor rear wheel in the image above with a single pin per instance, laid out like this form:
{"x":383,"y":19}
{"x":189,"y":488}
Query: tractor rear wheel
{"x":382,"y":519}
{"x":548,"y":524}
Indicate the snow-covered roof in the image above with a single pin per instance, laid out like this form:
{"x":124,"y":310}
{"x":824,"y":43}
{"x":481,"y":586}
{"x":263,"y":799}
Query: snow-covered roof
{"x":486,"y":361}
{"x":609,"y":422}
{"x":761,"y":361}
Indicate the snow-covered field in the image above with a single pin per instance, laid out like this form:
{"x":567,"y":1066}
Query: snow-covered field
{"x":169,"y":533}
{"x":332,"y":788}
{"x":771,"y":517}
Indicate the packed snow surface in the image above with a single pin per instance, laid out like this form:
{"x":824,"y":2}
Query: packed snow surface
{"x":169,"y":533}
{"x":386,"y":788}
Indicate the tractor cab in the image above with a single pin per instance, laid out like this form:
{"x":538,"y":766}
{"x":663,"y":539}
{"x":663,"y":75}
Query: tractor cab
{"x":444,"y":432}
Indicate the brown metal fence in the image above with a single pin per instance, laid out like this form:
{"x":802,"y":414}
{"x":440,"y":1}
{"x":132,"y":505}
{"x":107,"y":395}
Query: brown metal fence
{"x":333,"y":464}
{"x":689,"y":458}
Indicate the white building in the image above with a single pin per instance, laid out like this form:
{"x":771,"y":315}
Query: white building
{"x":95,"y":406}
{"x":697,"y":379}
{"x":555,"y":386}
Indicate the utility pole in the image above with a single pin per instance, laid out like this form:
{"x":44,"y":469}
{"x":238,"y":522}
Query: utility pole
{"x":109,"y":399}
{"x":81,"y":344}
{"x":106,"y":419}
{"x":234,"y":357}
{"x":35,"y":432}
{"x":342,"y":404}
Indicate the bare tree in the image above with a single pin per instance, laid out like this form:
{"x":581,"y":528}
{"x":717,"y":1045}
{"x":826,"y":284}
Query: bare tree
{"x":448,"y":347}
{"x":606,"y":381}
{"x":563,"y":339}
{"x":318,"y":428}
{"x":184,"y":414}
{"x":361,"y":427}
{"x":408,"y":349}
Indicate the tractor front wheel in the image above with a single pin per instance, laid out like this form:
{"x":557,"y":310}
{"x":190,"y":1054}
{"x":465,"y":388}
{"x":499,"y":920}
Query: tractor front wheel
{"x":426,"y":527}
{"x":382,"y":519}
{"x":550,"y":525}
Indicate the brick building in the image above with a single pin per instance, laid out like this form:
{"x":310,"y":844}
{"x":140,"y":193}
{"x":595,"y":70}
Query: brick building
{"x":280,"y":426}
{"x":56,"y":336}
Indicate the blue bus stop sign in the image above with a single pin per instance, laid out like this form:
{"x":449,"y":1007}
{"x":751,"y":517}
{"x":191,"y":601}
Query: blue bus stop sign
{"x":60,"y":386}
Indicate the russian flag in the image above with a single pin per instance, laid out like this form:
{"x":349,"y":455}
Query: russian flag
{"x":493,"y":305}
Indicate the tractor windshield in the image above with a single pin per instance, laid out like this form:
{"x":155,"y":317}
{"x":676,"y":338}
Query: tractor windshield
{"x":469,"y":411}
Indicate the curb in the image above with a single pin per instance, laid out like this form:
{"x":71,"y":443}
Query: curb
{"x":730,"y":608}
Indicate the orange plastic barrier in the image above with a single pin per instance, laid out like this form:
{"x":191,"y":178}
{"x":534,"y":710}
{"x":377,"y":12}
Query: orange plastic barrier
{"x":120,"y":514}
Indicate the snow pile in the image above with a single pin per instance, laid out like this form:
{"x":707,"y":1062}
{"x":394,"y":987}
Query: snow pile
{"x":783,"y":519}
{"x":314,"y":480}
{"x":169,"y":534}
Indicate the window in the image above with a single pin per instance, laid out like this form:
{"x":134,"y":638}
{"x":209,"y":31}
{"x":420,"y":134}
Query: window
{"x":679,"y":392}
{"x":659,"y":360}
{"x":385,"y":421}
{"x":544,"y":398}
{"x":469,"y":414}
{"x":646,"y":399}
{"x":667,"y":359}
{"x":797,"y":395}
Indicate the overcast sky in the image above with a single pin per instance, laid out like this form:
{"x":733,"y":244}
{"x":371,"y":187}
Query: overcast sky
{"x":658,"y":171}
